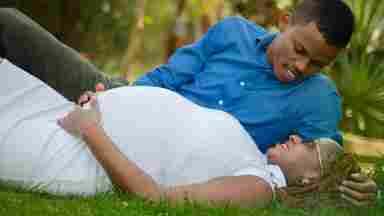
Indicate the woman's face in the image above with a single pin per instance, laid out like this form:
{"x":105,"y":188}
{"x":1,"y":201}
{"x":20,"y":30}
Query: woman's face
{"x":297,"y":160}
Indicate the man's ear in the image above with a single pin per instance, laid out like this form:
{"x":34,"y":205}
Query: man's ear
{"x":283,"y":21}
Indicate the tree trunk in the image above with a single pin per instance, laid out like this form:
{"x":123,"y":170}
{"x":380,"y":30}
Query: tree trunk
{"x":69,"y":19}
{"x":178,"y":33}
{"x":212,"y":12}
{"x":135,"y":39}
{"x":262,"y":12}
{"x":59,"y":17}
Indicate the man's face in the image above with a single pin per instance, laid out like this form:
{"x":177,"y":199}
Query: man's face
{"x":300,"y":51}
{"x":296,"y":159}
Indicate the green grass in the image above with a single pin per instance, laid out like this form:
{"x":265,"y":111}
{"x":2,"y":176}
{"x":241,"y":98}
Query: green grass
{"x":13,"y":202}
{"x":18,"y":202}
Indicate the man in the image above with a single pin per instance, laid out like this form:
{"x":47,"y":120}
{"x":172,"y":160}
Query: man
{"x":270,"y":83}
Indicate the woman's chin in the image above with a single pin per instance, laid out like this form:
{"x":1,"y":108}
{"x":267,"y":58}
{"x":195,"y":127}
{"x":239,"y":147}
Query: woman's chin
{"x":271,"y":155}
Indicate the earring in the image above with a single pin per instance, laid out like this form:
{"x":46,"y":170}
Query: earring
{"x":303,"y":181}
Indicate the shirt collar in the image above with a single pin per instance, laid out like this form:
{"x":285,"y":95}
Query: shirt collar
{"x":266,"y":39}
{"x":277,"y":176}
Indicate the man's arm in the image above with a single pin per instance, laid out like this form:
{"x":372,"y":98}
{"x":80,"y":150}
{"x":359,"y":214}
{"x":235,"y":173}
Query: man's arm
{"x":188,"y":61}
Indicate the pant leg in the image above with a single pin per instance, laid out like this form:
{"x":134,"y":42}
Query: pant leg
{"x":27,"y":45}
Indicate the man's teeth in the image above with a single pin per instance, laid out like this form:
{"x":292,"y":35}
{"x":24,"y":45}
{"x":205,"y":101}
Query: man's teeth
{"x":291,"y":75}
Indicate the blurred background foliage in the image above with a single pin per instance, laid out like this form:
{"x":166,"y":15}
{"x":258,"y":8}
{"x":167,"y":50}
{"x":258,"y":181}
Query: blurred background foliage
{"x":129,"y":37}
{"x":359,"y":74}
{"x":108,"y":31}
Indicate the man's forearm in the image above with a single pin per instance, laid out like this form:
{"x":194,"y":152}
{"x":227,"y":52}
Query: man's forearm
{"x":123,"y":172}
{"x":158,"y":78}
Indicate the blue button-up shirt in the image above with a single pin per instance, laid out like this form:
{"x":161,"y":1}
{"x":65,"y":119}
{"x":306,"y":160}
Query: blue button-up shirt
{"x":228,"y":69}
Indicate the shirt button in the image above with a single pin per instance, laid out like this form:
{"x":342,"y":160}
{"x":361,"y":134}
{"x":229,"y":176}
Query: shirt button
{"x":242,"y":83}
{"x":221,"y":102}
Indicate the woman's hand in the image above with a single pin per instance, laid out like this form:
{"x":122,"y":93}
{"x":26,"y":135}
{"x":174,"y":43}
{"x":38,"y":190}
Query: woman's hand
{"x":77,"y":121}
{"x":359,"y":190}
{"x":86,"y":96}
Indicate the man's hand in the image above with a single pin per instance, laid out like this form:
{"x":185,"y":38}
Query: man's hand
{"x":359,"y":190}
{"x":78,"y":120}
{"x":86,"y":96}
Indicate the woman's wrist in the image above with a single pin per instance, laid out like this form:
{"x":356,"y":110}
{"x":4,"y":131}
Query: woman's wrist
{"x":90,"y":129}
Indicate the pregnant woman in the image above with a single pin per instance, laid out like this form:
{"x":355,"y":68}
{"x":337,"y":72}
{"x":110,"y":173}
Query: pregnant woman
{"x":154,"y":143}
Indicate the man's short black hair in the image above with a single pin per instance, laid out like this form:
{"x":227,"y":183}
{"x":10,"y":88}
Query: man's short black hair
{"x":334,"y":19}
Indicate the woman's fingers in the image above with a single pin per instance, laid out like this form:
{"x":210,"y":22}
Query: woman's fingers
{"x":65,"y":123}
{"x":70,"y":122}
{"x":355,"y":202}
{"x":357,"y":195}
{"x":94,"y":103}
{"x":358,"y":190}
{"x":360,"y":183}
{"x":359,"y":177}
{"x":84,"y":98}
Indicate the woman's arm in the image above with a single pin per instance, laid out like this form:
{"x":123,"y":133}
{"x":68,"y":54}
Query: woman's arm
{"x":122,"y":171}
{"x":240,"y":190}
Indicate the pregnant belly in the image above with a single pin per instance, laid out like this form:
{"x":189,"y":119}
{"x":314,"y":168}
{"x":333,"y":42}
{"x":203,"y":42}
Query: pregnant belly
{"x":161,"y":131}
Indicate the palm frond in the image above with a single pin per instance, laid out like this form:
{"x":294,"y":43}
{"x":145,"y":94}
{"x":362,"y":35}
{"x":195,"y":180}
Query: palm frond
{"x":359,"y":74}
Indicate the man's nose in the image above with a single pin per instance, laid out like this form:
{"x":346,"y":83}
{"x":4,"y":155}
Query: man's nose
{"x":302,"y":64}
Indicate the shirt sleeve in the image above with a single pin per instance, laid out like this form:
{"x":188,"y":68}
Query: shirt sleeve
{"x":187,"y":61}
{"x":271,"y":174}
{"x":320,"y":113}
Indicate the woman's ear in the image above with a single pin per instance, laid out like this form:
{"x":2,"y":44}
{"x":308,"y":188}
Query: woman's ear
{"x":310,"y":178}
{"x":283,"y":21}
{"x":303,"y":182}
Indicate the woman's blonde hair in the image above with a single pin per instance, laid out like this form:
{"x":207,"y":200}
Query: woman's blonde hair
{"x":335,"y":166}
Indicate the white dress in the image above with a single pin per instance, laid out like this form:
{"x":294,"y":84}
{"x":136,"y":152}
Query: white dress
{"x":172,"y":139}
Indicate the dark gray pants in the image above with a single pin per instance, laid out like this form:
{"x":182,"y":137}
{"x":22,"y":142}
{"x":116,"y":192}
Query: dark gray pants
{"x":27,"y":45}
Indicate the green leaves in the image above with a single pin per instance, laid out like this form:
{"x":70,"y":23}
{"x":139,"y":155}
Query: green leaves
{"x":359,"y":73}
{"x":368,"y":17}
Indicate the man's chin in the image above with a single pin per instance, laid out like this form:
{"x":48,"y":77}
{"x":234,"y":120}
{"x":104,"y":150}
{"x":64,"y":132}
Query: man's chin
{"x":278,"y":72}
{"x":282,"y":77}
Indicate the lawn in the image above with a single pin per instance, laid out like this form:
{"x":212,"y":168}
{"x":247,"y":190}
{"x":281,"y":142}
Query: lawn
{"x":16,"y":202}
{"x":24,"y":203}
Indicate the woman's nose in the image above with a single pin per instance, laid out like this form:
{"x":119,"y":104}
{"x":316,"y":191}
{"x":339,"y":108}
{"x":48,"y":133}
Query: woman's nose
{"x":294,"y":139}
